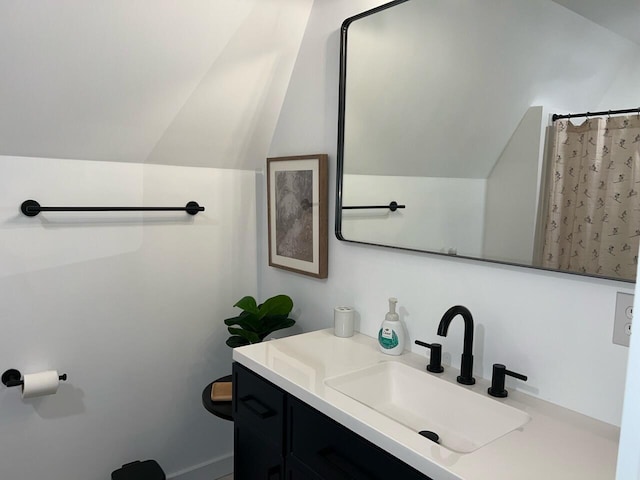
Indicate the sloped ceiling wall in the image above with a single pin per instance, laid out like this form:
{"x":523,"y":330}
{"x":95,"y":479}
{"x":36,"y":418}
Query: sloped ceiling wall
{"x":189,"y":82}
{"x":621,"y":16}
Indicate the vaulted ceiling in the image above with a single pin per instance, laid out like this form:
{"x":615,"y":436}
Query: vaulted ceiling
{"x":193,"y":82}
{"x":620,"y":16}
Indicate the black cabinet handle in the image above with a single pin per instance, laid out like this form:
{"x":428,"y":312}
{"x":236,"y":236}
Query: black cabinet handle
{"x":344,"y":468}
{"x":257,"y":407}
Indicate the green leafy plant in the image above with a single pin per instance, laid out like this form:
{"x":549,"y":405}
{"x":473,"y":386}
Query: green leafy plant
{"x":257,"y":321}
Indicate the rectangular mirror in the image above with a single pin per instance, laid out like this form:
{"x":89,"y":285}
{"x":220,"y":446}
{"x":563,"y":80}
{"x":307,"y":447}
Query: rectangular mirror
{"x":446,"y":110}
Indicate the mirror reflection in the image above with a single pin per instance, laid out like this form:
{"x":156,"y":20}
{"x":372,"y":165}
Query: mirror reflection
{"x":446,"y":108}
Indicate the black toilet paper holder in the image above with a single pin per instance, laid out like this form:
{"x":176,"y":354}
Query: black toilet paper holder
{"x":12,"y":378}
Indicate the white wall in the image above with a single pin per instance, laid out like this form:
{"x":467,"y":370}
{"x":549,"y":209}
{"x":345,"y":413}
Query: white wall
{"x":629,"y":451}
{"x":554,"y":327}
{"x":512,"y":193}
{"x":440,"y":214}
{"x":623,"y":92}
{"x":129,"y":305}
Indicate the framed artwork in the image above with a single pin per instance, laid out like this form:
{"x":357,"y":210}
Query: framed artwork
{"x":297,"y":213}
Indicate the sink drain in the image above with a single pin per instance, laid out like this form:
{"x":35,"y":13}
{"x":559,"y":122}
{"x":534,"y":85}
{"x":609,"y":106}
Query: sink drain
{"x":433,"y":436}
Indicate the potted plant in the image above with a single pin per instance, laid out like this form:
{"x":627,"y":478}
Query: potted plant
{"x":257,"y":321}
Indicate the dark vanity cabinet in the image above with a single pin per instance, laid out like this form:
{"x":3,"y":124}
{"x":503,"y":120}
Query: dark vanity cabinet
{"x":259,"y":426}
{"x":278,"y":436}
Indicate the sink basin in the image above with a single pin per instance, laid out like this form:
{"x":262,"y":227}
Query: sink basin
{"x":464,"y":420}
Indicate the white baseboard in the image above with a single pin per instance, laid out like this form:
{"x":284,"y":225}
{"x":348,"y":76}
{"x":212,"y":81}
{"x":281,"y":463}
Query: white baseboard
{"x":216,"y":468}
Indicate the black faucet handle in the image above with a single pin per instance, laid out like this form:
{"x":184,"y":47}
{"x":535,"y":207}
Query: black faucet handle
{"x":498,"y":378}
{"x":435,"y":357}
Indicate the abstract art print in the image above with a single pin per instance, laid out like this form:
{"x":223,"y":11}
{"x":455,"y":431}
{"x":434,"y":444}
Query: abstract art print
{"x":297,"y":213}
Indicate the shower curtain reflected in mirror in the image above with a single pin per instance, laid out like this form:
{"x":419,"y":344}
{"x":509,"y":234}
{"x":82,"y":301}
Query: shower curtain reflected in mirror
{"x":593,"y":219}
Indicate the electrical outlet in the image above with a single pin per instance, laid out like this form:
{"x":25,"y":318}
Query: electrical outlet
{"x":623,"y":319}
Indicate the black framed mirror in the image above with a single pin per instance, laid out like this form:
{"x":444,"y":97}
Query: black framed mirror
{"x":445,"y":115}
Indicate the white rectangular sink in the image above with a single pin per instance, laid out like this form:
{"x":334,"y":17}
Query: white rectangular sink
{"x":464,"y":420}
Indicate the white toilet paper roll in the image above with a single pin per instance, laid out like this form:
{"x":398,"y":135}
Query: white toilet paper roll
{"x":343,"y":319}
{"x":41,"y":383}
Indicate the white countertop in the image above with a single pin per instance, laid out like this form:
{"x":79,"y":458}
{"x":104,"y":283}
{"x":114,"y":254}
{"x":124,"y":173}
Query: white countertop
{"x":556,"y":443}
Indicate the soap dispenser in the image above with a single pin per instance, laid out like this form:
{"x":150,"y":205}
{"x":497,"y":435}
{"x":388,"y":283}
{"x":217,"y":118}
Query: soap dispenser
{"x":391,"y":336}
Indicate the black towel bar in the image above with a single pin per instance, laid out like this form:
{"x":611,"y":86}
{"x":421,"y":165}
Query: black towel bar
{"x":31,"y":208}
{"x":393,"y":206}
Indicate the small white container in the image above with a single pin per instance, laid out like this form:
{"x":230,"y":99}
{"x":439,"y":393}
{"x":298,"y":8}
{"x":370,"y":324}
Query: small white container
{"x":343,"y":319}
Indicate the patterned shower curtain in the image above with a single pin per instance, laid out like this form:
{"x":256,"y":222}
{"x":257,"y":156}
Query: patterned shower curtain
{"x":593,"y":220}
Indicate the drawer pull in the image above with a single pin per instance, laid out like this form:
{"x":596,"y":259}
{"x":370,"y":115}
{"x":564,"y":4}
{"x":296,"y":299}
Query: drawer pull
{"x":257,"y":407}
{"x":343,"y":467}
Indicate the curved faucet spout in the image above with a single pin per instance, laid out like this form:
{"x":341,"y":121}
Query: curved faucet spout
{"x":466,"y":367}
{"x":443,"y":327}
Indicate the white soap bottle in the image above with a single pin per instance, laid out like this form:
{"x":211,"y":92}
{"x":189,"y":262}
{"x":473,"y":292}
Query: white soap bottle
{"x":391,"y":336}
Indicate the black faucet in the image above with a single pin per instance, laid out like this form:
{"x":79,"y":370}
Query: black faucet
{"x":466,"y":367}
{"x":497,"y":380}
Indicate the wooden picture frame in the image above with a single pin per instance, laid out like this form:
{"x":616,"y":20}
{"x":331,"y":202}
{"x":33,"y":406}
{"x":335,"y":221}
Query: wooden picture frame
{"x":297,"y":214}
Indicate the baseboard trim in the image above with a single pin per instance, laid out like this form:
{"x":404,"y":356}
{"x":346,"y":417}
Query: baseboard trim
{"x":216,"y":468}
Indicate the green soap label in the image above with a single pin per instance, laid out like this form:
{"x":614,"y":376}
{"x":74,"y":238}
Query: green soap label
{"x":387,"y":338}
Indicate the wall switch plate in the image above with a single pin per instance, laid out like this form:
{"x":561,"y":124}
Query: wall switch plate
{"x":623,"y":318}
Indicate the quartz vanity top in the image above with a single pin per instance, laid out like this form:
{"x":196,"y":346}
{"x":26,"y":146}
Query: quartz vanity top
{"x":556,"y":443}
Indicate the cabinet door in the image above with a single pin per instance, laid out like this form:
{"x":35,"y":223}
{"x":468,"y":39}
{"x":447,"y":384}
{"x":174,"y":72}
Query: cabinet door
{"x":298,"y":471}
{"x":253,"y":458}
{"x":259,"y":404}
{"x":334,"y":452}
{"x":258,"y":412}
